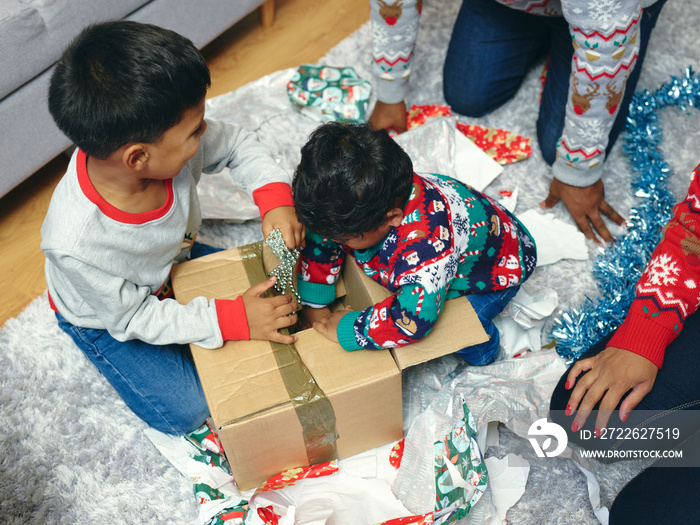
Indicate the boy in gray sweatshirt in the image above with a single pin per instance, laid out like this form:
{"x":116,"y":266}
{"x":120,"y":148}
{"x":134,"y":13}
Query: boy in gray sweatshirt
{"x":131,"y":97}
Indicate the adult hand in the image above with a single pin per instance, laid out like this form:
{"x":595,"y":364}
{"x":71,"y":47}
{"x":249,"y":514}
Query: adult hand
{"x":585,"y":204}
{"x":285,"y":219}
{"x":266,"y":315}
{"x":610,"y":375}
{"x":329,"y":326}
{"x":389,"y":116}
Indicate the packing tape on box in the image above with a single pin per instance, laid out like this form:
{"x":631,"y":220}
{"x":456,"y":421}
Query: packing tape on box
{"x":312,"y":407}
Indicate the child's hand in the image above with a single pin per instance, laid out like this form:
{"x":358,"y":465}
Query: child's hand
{"x":266,"y":315}
{"x":309,"y":316}
{"x":284,"y":218}
{"x":329,"y":326}
{"x":389,"y":116}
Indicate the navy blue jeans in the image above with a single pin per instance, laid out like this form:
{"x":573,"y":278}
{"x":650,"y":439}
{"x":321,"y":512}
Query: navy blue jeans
{"x":487,"y":306}
{"x":493,"y":46}
{"x":159,"y":383}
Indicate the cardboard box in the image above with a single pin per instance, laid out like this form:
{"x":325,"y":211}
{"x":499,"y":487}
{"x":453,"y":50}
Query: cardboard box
{"x":257,"y":391}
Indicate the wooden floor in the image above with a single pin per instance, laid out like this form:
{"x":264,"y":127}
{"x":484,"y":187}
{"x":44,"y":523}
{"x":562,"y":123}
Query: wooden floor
{"x":303,"y":31}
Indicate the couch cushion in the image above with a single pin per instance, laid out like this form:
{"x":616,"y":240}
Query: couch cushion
{"x":34,"y":33}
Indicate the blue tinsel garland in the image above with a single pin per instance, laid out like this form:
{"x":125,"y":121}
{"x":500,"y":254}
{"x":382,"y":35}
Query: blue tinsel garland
{"x":618,"y":269}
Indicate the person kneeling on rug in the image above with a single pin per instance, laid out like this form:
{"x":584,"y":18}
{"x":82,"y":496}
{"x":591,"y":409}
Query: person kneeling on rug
{"x":131,"y":97}
{"x":427,"y":238}
{"x":596,"y":51}
{"x":648,"y":371}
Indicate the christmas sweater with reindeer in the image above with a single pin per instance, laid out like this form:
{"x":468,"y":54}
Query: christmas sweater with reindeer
{"x":669,"y":290}
{"x":606,"y":46}
{"x":452,"y":241}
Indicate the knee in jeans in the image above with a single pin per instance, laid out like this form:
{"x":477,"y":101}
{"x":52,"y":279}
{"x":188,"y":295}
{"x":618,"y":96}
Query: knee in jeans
{"x":466,"y":103}
{"x":548,"y":146}
{"x":182,"y":423}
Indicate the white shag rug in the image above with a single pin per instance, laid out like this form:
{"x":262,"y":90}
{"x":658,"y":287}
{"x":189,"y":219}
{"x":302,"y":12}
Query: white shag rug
{"x":72,"y":453}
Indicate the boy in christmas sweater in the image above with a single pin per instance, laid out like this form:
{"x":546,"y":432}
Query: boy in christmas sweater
{"x":596,"y":52}
{"x":427,"y":238}
{"x":131,"y":97}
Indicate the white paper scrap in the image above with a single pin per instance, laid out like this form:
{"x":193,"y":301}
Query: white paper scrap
{"x":520,"y":324}
{"x":507,"y":478}
{"x":601,"y":512}
{"x":554,"y":238}
{"x":338,"y":499}
{"x":472,"y":165}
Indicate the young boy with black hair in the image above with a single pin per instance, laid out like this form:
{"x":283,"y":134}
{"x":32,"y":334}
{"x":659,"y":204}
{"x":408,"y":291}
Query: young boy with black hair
{"x":131,"y":97}
{"x":427,"y":238}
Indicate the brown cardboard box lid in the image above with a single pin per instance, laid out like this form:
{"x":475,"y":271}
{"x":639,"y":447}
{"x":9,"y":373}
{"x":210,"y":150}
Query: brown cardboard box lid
{"x":457,"y":327}
{"x":243,"y":378}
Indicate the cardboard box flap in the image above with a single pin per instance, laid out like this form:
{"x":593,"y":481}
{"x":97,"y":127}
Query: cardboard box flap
{"x":457,"y":327}
{"x":337,"y":369}
{"x":240,"y":380}
{"x":216,"y":276}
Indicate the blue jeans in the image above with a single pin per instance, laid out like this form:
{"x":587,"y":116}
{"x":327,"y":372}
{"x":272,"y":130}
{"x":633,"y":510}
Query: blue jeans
{"x":487,"y":306}
{"x":638,"y":501}
{"x":493,"y":46}
{"x":159,"y":383}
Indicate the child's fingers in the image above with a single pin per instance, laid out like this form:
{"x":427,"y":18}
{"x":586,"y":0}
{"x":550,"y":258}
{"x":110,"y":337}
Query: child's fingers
{"x":285,"y":309}
{"x":285,"y":321}
{"x":277,"y":337}
{"x":321,"y":326}
{"x":261,"y":287}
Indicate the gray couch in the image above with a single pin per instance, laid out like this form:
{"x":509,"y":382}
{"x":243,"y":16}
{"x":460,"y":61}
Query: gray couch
{"x":34,"y":33}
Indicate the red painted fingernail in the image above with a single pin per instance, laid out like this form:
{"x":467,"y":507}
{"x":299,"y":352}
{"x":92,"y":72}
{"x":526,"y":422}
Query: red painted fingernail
{"x":624,"y":418}
{"x":567,"y":386}
{"x":597,"y":432}
{"x":568,"y":410}
{"x":574,"y":427}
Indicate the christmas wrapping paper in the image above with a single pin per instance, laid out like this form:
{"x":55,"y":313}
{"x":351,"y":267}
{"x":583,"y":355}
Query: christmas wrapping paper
{"x":501,"y":145}
{"x":330,"y":93}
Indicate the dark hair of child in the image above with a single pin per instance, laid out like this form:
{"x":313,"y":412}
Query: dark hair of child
{"x":122,"y":82}
{"x":349,"y":177}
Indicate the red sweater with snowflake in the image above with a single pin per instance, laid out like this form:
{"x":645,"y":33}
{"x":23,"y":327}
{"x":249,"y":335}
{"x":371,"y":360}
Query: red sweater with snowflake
{"x":669,"y":290}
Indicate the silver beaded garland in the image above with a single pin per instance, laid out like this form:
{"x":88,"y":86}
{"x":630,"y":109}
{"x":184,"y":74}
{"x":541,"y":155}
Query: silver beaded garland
{"x":284,"y":272}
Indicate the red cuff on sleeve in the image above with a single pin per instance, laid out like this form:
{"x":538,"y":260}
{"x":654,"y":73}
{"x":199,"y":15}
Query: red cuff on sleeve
{"x":233,"y":321}
{"x":642,"y":336}
{"x":52,"y":305}
{"x":271,"y":196}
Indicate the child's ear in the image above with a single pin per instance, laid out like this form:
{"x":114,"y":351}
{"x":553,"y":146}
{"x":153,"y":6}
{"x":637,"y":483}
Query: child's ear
{"x":135,"y":157}
{"x":394,"y":217}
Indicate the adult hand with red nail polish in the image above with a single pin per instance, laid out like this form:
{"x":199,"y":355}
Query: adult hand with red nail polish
{"x":609,"y":376}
